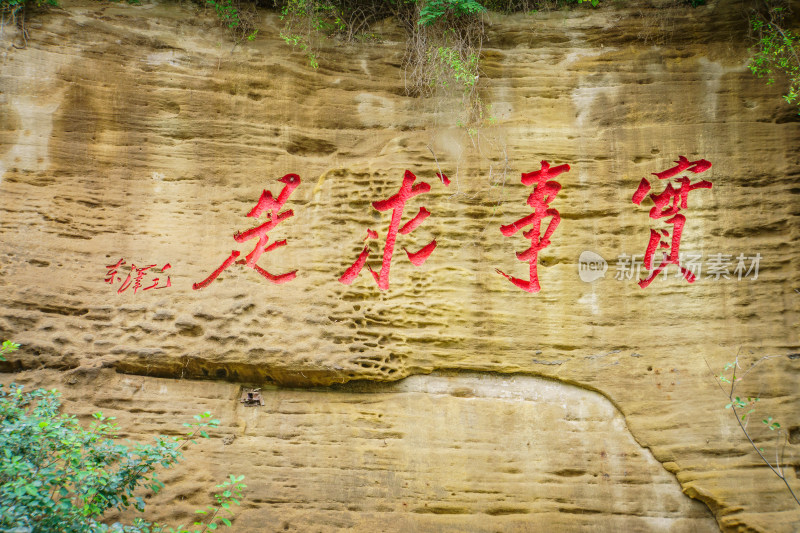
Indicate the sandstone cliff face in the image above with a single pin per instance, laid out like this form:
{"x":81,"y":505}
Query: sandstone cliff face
{"x":135,"y":132}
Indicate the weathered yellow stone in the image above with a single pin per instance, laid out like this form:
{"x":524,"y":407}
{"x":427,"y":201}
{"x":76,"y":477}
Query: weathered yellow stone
{"x":136,"y":132}
{"x":441,"y":452}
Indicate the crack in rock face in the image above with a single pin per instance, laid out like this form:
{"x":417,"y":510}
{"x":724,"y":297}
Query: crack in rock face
{"x":443,"y":452}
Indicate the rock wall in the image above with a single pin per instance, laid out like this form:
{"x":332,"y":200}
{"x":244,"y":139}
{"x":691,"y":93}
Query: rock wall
{"x":441,"y":452}
{"x":136,"y":132}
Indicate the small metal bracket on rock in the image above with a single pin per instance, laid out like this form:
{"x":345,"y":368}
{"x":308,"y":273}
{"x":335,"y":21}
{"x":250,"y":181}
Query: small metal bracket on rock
{"x":251,"y":397}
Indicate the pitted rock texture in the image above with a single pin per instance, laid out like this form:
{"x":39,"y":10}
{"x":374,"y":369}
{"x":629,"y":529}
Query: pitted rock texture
{"x":136,"y":132}
{"x":445,"y":453}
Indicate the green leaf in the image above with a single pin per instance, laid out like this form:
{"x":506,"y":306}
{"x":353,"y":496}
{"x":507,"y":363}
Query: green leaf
{"x":85,"y":469}
{"x":212,"y":526}
{"x":10,"y":346}
{"x":226,"y":521}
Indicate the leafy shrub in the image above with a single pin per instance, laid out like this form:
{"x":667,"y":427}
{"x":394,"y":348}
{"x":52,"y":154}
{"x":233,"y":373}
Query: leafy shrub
{"x":57,"y":476}
{"x":13,"y":7}
{"x":238,"y":18}
{"x":17,"y":10}
{"x":529,"y":6}
{"x":776,"y":51}
{"x":743,"y":418}
{"x":7,"y":347}
{"x":307,"y":22}
{"x":433,"y":10}
{"x":462,"y":70}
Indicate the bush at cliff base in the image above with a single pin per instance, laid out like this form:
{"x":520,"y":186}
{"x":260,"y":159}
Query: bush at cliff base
{"x":57,"y":476}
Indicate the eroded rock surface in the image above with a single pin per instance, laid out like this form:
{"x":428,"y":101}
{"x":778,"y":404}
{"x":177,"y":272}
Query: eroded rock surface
{"x":452,"y":452}
{"x":135,"y":132}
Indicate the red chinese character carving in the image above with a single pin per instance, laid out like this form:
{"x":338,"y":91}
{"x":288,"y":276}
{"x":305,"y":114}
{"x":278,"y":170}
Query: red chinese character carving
{"x":139,"y":274}
{"x":112,"y":271}
{"x":545,"y":190}
{"x":668,"y":204}
{"x":444,"y":178}
{"x":155,"y":280}
{"x":272,"y":206}
{"x":396,"y":203}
